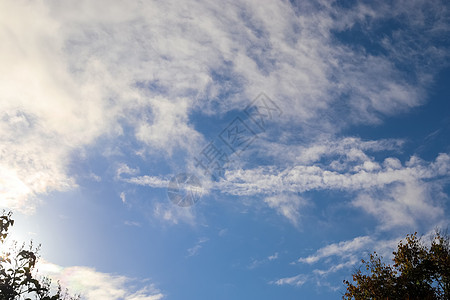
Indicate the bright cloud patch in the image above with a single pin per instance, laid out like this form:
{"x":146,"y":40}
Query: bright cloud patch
{"x":287,"y":205}
{"x":92,"y":284}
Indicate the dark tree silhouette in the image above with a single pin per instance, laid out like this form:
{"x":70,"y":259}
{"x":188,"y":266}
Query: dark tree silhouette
{"x":17,"y":276}
{"x":419,"y":272}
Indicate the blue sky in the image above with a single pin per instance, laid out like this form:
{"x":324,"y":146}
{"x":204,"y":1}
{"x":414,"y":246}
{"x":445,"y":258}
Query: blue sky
{"x":324,"y":127}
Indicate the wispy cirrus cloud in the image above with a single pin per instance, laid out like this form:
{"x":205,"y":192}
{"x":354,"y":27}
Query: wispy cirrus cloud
{"x":297,"y":280}
{"x":345,"y":254}
{"x":193,"y":251}
{"x":258,"y":262}
{"x":337,"y":256}
{"x":341,"y":249}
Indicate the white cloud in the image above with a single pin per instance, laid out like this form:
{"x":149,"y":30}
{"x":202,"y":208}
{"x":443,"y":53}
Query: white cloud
{"x":92,"y":284}
{"x":123,"y":197}
{"x":395,"y":193}
{"x":193,"y":251}
{"x":95,"y":177}
{"x":273,"y":257}
{"x":132,"y":223}
{"x":347,"y":254}
{"x":336,"y":267}
{"x":152,"y":181}
{"x":338,"y":256}
{"x":287,"y":205}
{"x":401,"y":205}
{"x":342,"y":249}
{"x":173,"y":214}
{"x":44,"y":114}
{"x":222,"y":232}
{"x":168,"y":128}
{"x":125,"y":169}
{"x":300,"y":178}
{"x":255,"y":262}
{"x":297,"y":280}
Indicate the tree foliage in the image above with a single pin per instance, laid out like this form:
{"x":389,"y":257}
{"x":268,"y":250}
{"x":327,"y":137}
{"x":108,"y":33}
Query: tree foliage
{"x":17,"y":275}
{"x":418,"y":272}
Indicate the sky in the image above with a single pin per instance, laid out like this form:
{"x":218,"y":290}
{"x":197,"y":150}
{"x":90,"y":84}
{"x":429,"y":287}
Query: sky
{"x":222,"y":150}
